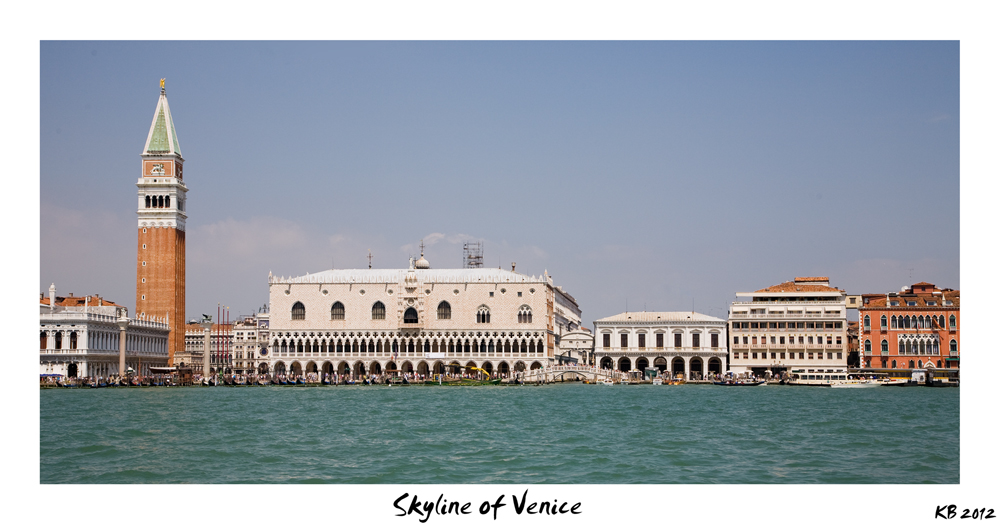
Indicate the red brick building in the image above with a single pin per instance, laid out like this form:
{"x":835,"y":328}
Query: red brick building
{"x":160,"y":262}
{"x":915,"y":328}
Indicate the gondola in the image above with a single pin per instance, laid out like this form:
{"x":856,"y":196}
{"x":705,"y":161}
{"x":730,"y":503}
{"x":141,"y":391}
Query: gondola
{"x":729,"y":383}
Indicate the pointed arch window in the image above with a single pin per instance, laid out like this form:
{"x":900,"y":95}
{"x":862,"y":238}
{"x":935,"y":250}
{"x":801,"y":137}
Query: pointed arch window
{"x":951,"y":322}
{"x":337,"y":311}
{"x":893,"y":322}
{"x":868,"y":322}
{"x":483,"y":315}
{"x":524,"y":315}
{"x":868,"y":347}
{"x":885,"y":347}
{"x":378,"y":311}
{"x":444,"y":310}
{"x":953,"y":347}
{"x":883,"y":322}
{"x":298,"y":311}
{"x":410,"y":317}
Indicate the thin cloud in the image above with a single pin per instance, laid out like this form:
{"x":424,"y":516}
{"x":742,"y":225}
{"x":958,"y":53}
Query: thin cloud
{"x":257,"y":236}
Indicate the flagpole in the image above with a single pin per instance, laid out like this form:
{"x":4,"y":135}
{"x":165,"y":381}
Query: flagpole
{"x":218,"y":327}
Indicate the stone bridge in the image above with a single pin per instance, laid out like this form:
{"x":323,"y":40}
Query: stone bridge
{"x":554,"y":373}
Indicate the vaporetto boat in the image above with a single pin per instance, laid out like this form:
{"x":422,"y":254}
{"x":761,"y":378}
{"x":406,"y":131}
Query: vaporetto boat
{"x":831,"y":379}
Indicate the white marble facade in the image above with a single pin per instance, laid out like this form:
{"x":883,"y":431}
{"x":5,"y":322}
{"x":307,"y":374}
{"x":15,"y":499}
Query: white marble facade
{"x":687,"y":343}
{"x":367,"y":321}
{"x":83,"y":340}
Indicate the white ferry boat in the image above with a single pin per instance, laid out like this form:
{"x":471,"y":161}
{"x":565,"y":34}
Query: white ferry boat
{"x":657,"y":381}
{"x":831,"y":378}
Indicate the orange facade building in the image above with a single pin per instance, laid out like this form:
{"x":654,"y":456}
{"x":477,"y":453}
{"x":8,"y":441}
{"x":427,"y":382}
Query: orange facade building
{"x":159,"y":289}
{"x":915,"y":328}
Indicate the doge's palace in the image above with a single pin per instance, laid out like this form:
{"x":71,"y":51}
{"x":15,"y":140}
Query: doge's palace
{"x":421,"y":320}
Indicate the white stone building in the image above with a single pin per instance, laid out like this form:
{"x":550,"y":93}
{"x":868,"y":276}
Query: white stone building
{"x":577,"y":346}
{"x":240,"y":345}
{"x":681,"y":342}
{"x":248,"y":342}
{"x":369,"y":321}
{"x":793,"y":325}
{"x":567,"y":313}
{"x":79,"y":337}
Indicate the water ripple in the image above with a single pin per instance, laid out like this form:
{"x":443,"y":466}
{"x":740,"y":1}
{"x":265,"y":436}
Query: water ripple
{"x":565,"y":433}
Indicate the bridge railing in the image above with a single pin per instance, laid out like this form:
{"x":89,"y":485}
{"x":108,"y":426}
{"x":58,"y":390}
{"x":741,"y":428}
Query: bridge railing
{"x":583,"y":370}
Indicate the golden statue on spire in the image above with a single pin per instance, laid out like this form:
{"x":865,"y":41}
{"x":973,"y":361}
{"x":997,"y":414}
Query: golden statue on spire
{"x":162,"y":82}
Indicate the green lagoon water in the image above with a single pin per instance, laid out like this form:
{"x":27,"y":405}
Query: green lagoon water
{"x":561,"y":433}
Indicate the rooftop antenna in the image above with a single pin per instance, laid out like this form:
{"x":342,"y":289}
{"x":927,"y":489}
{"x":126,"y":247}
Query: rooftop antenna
{"x":369,"y":259}
{"x":911,"y":275}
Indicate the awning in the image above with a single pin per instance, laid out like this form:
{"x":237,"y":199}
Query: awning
{"x":952,"y":359}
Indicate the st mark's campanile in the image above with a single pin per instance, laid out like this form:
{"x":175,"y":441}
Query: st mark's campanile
{"x":159,"y":287}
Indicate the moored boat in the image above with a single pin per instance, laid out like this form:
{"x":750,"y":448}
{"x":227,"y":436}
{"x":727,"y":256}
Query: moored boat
{"x":856,"y":384}
{"x":831,"y":379}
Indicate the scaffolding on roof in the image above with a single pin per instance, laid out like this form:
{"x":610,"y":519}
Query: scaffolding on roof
{"x":472,"y":255}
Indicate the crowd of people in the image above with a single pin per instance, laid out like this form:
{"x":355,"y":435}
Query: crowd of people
{"x":335,"y":378}
{"x":107,"y":381}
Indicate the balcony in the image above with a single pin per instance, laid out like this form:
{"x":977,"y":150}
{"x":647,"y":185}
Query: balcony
{"x":656,"y":350}
{"x":791,"y":303}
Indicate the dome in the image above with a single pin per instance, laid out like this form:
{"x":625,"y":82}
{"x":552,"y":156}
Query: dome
{"x":422,"y":263}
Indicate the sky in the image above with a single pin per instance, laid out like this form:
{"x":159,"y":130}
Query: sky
{"x":642,"y":175}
